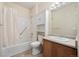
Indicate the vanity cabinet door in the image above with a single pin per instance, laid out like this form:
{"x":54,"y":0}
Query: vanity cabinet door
{"x":49,"y":49}
{"x":65,"y":51}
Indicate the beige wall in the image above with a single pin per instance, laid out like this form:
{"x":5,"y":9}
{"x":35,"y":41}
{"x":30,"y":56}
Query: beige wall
{"x":20,"y":8}
{"x":39,"y":7}
{"x":0,"y":30}
{"x":1,"y":4}
{"x":77,"y":38}
{"x":35,"y":11}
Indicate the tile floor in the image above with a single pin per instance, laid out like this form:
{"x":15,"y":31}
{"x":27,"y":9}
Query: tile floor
{"x":27,"y":54}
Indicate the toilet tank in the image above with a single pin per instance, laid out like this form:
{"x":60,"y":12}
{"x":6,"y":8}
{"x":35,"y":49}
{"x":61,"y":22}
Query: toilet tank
{"x":40,"y":38}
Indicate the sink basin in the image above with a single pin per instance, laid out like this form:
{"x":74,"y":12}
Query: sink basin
{"x":60,"y":38}
{"x":64,"y":39}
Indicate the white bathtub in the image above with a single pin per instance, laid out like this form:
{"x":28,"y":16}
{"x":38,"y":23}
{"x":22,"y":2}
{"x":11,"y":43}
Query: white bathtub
{"x":13,"y":50}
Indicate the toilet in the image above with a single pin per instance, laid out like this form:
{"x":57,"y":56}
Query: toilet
{"x":36,"y":45}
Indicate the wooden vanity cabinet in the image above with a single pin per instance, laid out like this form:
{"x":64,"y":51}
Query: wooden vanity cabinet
{"x":52,"y":49}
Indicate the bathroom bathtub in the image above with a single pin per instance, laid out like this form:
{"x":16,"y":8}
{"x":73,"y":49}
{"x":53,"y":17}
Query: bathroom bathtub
{"x":13,"y":50}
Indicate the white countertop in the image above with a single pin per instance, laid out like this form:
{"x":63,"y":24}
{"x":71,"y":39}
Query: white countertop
{"x":62,"y":40}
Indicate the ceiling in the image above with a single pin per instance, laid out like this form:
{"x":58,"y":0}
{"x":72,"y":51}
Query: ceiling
{"x":30,"y":4}
{"x":26,"y":4}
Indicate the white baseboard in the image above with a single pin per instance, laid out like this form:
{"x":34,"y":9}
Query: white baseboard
{"x":10,"y":51}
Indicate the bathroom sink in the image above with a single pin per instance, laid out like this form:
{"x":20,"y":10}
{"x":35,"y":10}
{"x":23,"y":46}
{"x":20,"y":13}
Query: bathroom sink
{"x":62,"y":40}
{"x":59,"y":38}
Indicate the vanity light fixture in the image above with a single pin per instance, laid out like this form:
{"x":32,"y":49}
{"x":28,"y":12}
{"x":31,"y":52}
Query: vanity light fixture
{"x":57,"y":4}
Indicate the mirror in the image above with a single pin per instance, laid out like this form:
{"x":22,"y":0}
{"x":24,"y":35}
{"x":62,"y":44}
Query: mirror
{"x":63,"y":21}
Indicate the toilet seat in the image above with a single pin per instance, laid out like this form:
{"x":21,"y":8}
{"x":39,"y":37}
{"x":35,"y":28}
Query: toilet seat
{"x":35,"y":44}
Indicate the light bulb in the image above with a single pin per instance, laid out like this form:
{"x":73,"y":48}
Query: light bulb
{"x":57,"y":3}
